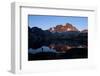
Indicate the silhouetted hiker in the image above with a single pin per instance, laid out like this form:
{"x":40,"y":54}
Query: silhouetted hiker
{"x":42,"y":49}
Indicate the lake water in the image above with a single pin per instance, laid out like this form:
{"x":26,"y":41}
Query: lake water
{"x":57,"y":51}
{"x":55,"y":48}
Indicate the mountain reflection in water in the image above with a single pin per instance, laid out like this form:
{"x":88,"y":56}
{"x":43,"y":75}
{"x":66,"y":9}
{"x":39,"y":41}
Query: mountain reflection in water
{"x":63,"y":48}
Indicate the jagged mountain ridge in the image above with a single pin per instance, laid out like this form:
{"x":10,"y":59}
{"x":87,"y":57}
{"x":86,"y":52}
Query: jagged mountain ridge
{"x":63,"y":28}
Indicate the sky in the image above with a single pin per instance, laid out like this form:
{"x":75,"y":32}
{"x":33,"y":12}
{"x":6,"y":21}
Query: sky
{"x":45,"y":22}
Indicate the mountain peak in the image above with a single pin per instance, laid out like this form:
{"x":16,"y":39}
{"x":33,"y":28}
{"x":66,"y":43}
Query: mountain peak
{"x":63,"y":28}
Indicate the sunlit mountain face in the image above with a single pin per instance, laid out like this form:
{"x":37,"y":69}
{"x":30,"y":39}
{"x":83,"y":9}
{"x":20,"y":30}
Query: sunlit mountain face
{"x":63,"y":28}
{"x":66,"y":28}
